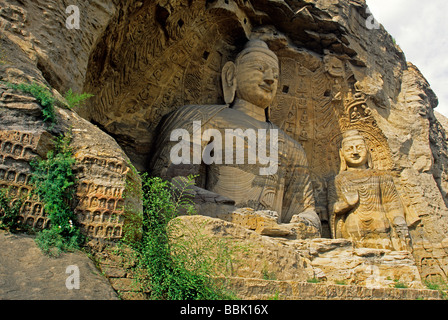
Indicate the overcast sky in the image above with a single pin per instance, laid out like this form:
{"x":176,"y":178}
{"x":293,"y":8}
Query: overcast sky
{"x":420,"y":28}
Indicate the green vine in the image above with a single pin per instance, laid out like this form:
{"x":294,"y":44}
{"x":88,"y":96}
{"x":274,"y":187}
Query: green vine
{"x":10,"y":212}
{"x":48,"y":101}
{"x":53,"y":180}
{"x":42,"y":94}
{"x":168,"y":266}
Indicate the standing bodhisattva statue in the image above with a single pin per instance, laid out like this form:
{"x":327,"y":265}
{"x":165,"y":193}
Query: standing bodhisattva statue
{"x":234,"y":149}
{"x":365,"y":206}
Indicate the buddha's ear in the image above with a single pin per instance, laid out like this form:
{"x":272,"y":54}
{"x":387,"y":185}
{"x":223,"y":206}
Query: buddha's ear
{"x":370,"y":160}
{"x":228,"y":77}
{"x":343,"y":164}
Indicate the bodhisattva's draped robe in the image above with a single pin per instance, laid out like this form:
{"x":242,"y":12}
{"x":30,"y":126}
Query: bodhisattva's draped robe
{"x":370,"y":222}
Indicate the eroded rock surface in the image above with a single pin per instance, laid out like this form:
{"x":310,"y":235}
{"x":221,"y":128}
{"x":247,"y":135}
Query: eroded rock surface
{"x":27,"y":274}
{"x":143,"y":60}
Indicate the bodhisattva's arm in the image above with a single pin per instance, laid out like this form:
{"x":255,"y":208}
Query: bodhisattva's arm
{"x":392,"y":202}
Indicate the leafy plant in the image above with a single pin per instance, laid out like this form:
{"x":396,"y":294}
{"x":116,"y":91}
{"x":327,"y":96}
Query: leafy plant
{"x":9,"y":212}
{"x":400,"y":285}
{"x":313,"y":280}
{"x":47,"y":100}
{"x":268,"y":275}
{"x":42,"y":94}
{"x":438,"y":284}
{"x":53,"y":180}
{"x":276,"y":296}
{"x":76,"y":100}
{"x":168,"y":266}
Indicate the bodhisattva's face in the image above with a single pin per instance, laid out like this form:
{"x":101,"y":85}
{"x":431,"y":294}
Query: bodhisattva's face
{"x":355,"y":152}
{"x":257,"y":77}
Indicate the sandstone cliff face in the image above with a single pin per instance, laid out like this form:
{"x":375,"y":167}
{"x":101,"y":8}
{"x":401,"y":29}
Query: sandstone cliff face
{"x":35,"y":50}
{"x":142,"y":60}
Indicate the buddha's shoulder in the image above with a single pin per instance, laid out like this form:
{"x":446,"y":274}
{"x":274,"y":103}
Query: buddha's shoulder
{"x":198,"y":110}
{"x":365,"y":173}
{"x":186,"y":115}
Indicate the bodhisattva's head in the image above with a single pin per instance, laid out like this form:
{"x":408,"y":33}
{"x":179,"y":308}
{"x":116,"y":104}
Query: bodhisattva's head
{"x":354,"y":152}
{"x":253,"y":77}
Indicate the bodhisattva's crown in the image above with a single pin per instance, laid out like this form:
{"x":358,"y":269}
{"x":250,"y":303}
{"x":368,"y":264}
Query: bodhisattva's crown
{"x":351,"y":134}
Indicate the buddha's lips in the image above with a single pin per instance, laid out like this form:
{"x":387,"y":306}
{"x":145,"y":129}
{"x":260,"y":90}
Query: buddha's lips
{"x":266,"y":88}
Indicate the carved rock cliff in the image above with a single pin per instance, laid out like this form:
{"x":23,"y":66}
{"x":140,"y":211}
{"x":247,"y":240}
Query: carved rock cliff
{"x":143,"y":59}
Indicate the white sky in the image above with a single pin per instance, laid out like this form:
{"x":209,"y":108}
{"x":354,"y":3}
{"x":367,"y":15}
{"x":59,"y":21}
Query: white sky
{"x":420,"y":28}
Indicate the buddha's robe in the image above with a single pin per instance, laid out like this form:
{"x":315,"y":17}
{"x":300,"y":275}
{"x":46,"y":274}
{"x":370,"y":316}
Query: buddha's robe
{"x":288,"y":191}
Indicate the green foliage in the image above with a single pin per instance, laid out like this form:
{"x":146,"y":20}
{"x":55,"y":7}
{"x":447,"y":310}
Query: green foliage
{"x":276,"y":296}
{"x":268,"y":275}
{"x":438,"y":284}
{"x":9,"y":212}
{"x":76,"y":100}
{"x":341,"y":282}
{"x":47,"y":100}
{"x":42,"y":94}
{"x":313,"y":280}
{"x":53,"y":180}
{"x":400,"y":285}
{"x":169,"y":266}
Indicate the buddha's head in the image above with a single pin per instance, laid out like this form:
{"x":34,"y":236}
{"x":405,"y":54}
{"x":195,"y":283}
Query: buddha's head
{"x":354,"y":152}
{"x":253,"y":76}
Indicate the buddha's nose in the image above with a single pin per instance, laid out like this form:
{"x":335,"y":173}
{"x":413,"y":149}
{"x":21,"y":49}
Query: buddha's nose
{"x":269,"y":81}
{"x":269,"y":77}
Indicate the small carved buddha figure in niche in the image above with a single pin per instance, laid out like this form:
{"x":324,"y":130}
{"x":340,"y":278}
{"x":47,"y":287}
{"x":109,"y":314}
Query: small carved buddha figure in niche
{"x":249,"y":86}
{"x":365,"y":205}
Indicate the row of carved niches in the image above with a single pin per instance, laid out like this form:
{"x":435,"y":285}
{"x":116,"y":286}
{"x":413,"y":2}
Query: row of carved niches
{"x":431,"y":258}
{"x":101,"y":182}
{"x":100,"y":210}
{"x":100,"y":196}
{"x":16,"y":150}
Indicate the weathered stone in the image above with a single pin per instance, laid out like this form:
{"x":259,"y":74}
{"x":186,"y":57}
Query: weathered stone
{"x":253,"y":255}
{"x":143,"y":60}
{"x":265,"y":222}
{"x":28,"y":274}
{"x":339,"y":261}
{"x":257,"y":289}
{"x":101,"y":170}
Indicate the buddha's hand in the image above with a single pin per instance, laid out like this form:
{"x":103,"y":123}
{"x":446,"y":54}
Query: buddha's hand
{"x":351,"y":197}
{"x":346,"y":202}
{"x":309,"y":218}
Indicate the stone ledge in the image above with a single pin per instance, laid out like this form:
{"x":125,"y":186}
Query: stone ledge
{"x":257,"y":289}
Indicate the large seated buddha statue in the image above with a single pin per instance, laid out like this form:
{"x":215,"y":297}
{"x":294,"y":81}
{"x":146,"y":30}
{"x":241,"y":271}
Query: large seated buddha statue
{"x":234,"y":149}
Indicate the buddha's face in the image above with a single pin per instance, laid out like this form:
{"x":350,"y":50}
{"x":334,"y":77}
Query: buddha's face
{"x":257,"y":78}
{"x":355,"y":152}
